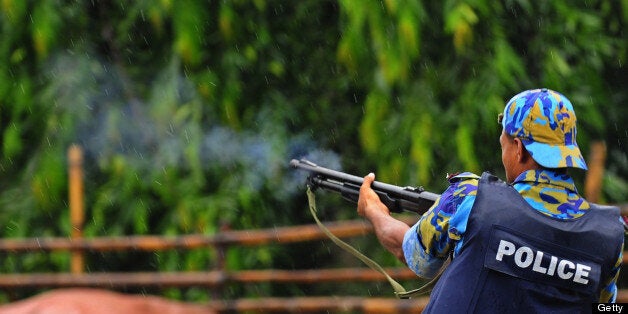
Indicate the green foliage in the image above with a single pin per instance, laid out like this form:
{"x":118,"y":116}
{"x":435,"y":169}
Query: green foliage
{"x":189,"y":111}
{"x":45,"y":24}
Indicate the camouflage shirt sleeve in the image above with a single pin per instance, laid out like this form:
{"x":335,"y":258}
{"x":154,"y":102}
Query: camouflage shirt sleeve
{"x":609,"y":291}
{"x":428,"y":243}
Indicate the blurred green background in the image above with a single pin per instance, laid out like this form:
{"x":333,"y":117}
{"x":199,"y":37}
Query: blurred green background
{"x":189,"y":112}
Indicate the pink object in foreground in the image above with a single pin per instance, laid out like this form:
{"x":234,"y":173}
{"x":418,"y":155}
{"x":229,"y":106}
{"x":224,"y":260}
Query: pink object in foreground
{"x":96,"y":301}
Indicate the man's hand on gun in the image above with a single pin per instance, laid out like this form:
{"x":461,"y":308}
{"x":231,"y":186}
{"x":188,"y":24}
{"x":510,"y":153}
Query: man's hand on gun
{"x":369,"y":203}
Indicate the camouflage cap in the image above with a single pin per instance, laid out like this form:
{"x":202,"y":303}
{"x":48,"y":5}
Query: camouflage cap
{"x":545,"y":122}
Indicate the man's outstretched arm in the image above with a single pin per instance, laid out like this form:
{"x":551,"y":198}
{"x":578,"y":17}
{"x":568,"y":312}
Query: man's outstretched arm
{"x":389,"y":231}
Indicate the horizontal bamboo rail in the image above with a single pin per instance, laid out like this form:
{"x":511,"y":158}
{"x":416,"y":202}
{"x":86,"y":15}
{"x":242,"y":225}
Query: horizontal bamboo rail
{"x":339,"y":303}
{"x":200,"y":279}
{"x":334,"y":304}
{"x":212,"y":278}
{"x":321,"y":305}
{"x":154,"y":243}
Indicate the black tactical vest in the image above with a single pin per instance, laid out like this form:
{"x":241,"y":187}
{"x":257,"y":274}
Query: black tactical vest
{"x":515,"y":259}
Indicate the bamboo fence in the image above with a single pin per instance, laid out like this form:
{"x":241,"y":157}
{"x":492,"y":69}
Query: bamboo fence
{"x":77,"y":246}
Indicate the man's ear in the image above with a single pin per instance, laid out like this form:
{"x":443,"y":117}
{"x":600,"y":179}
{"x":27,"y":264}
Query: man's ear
{"x":522,"y":152}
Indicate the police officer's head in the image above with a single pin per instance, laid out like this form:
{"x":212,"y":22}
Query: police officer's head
{"x":539,"y":130}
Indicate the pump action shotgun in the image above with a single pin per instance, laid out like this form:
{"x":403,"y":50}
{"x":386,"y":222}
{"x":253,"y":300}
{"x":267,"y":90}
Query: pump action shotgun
{"x":396,"y":198}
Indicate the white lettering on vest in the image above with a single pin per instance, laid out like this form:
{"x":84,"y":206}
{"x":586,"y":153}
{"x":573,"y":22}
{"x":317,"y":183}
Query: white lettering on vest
{"x":505,"y":248}
{"x":537,"y":263}
{"x":561,"y":269}
{"x":521,"y":262}
{"x":525,"y":256}
{"x":582,"y":272}
{"x":552,"y":266}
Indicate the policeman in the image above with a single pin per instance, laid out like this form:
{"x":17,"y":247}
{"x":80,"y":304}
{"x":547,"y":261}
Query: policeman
{"x":528,"y":245}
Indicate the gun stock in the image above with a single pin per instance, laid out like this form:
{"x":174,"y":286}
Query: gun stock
{"x":396,"y":198}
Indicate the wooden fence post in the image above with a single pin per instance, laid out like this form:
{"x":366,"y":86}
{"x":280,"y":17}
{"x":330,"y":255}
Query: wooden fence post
{"x":221,"y":248}
{"x":77,"y":215}
{"x":595,"y":175}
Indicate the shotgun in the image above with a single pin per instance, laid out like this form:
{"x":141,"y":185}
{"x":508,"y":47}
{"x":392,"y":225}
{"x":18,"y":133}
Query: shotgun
{"x":397,"y":199}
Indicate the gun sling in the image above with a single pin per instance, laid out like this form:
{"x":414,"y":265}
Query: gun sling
{"x":400,"y":292}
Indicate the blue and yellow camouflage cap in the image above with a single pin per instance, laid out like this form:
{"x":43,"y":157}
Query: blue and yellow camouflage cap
{"x":545,"y":122}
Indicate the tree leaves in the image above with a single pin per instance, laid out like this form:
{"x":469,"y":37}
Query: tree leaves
{"x":189,"y":111}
